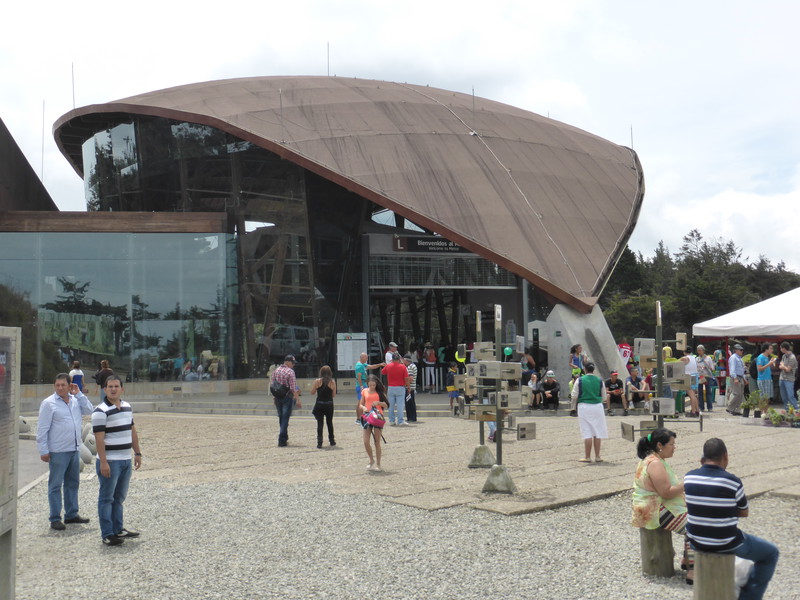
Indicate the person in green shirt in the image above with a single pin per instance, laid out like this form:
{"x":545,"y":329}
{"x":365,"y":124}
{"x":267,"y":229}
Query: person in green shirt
{"x":589,"y":392}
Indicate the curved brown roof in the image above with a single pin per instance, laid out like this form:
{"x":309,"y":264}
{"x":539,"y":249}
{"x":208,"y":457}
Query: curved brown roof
{"x":547,"y":201}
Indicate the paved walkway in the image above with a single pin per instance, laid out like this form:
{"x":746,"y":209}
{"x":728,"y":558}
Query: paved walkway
{"x":426,"y":464}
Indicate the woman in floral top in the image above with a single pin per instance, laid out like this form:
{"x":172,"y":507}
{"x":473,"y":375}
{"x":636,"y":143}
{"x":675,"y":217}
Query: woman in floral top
{"x":657,"y":494}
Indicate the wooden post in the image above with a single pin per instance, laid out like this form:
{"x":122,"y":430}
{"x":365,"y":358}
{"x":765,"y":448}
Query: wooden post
{"x":657,"y":552}
{"x":714,"y":576}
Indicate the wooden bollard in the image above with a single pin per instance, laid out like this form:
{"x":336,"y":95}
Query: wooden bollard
{"x":714,"y":576}
{"x":657,"y":552}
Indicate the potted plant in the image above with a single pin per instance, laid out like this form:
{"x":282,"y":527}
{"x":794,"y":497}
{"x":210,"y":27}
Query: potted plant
{"x":760,"y":403}
{"x":747,"y":404}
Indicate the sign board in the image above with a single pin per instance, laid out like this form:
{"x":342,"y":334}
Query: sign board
{"x":495,"y":369}
{"x":349,"y":347}
{"x":483,"y":351}
{"x":662,"y":406}
{"x":459,"y":381}
{"x":10,"y":348}
{"x":674,"y":370}
{"x":413,"y":243}
{"x":506,"y":400}
{"x":644,"y":347}
{"x":526,"y":431}
{"x":471,"y":386}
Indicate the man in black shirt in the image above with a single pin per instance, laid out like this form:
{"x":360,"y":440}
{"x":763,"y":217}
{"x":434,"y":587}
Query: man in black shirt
{"x":615,"y":392}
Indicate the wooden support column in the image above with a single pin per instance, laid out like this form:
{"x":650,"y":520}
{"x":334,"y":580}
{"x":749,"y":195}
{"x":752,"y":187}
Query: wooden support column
{"x":714,"y":576}
{"x":657,"y":552}
{"x":398,"y":313}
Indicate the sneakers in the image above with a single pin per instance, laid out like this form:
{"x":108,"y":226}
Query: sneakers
{"x":573,"y":413}
{"x":403,"y":424}
{"x":57,"y":525}
{"x":625,"y":412}
{"x":77,"y":519}
{"x":112,"y":540}
{"x":610,"y":413}
{"x":125,"y":533}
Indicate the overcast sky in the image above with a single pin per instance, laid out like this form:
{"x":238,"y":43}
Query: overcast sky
{"x":707,"y":92}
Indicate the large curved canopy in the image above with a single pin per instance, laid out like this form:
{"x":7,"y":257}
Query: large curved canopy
{"x":547,"y":201}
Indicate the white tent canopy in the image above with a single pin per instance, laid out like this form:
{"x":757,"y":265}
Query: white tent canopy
{"x":775,"y":317}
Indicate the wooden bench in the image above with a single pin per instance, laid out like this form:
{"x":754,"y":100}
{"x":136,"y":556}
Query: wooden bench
{"x":658,"y":555}
{"x":714,"y":577}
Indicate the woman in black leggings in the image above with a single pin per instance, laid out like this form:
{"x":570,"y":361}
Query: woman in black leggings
{"x":325,"y":387}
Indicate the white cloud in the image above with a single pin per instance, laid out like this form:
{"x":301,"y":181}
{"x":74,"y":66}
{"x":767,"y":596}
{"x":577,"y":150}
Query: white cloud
{"x":710,"y":90}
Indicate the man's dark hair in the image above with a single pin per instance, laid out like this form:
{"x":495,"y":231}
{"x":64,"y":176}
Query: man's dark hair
{"x":786,"y":346}
{"x":714,"y":449}
{"x":113,"y":378}
{"x":765,"y":346}
{"x":589,"y":367}
{"x":64,"y":376}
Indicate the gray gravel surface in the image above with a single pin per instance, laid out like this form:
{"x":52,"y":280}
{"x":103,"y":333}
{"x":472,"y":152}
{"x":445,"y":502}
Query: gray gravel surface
{"x":259,"y":539}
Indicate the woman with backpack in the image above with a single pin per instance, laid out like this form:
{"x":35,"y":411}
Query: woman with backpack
{"x":370,"y":409}
{"x":325,"y":388}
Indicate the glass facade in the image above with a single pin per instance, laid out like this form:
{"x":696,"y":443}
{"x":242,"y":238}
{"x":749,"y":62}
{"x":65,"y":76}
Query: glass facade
{"x":138,"y":300}
{"x":304,"y":269}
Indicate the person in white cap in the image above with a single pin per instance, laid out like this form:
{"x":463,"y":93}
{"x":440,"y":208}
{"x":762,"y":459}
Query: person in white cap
{"x":390,"y":352}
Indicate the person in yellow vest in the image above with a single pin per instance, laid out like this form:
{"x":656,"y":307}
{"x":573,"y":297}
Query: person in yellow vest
{"x":589,"y":392}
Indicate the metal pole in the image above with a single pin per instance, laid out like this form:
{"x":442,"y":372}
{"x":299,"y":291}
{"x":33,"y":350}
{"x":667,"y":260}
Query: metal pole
{"x":480,"y":391}
{"x":659,"y":360}
{"x":498,"y":347}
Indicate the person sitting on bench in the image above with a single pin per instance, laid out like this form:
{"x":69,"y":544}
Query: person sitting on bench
{"x":636,"y":390}
{"x":615,"y":392}
{"x":550,"y":389}
{"x":715,"y":500}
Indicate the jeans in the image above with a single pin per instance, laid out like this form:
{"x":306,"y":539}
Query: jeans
{"x":787,"y":394}
{"x":113,"y":490}
{"x":397,"y":403}
{"x":765,"y":556}
{"x":284,"y":406}
{"x":65,"y":470}
{"x":705,"y":395}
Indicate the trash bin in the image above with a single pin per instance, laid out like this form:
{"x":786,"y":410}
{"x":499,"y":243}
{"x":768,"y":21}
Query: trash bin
{"x":679,"y":396}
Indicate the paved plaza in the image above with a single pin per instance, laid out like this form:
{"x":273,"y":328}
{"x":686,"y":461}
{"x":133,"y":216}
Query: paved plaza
{"x":219,"y":458}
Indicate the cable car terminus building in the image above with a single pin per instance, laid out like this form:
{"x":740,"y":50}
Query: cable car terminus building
{"x":325,"y":205}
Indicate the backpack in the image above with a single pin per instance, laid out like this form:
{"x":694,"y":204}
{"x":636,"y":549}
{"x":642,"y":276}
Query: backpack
{"x":753,"y":368}
{"x":278,"y":390}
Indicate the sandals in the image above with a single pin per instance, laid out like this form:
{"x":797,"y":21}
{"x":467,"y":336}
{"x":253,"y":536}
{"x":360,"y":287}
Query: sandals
{"x":690,"y":577}
{"x":585,"y":460}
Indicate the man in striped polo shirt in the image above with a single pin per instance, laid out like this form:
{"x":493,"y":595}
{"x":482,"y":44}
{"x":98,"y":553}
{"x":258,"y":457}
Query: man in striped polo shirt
{"x":115,"y":434}
{"x":715,"y":500}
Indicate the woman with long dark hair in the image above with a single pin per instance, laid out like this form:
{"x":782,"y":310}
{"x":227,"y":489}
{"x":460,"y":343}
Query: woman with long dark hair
{"x":658,"y":501}
{"x":374,"y":396}
{"x":325,"y":388}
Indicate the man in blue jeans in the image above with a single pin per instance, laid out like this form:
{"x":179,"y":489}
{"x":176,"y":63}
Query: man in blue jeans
{"x":284,"y":375}
{"x":115,"y":433}
{"x":58,"y":440}
{"x":715,"y":500}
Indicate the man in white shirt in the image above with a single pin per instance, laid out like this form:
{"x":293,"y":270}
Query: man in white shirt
{"x":58,"y":440}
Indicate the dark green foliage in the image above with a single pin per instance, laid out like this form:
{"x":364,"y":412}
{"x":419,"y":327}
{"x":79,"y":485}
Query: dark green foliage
{"x":701,"y":281}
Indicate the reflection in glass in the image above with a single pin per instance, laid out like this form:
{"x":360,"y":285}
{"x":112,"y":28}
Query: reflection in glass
{"x":130,"y":298}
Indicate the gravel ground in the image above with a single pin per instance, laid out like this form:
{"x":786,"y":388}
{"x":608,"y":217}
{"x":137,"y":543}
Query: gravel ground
{"x":259,"y":539}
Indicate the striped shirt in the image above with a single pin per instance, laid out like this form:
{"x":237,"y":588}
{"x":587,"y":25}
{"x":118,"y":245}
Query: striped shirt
{"x":714,"y":498}
{"x":412,"y":372}
{"x":116,"y":423}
